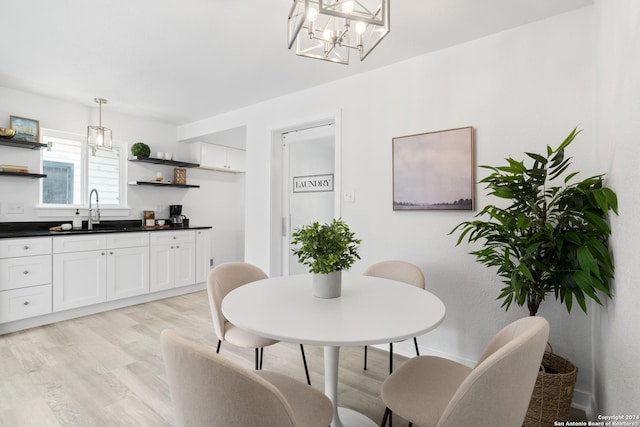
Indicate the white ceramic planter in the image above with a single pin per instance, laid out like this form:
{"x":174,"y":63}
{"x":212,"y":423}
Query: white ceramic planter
{"x":327,"y":285}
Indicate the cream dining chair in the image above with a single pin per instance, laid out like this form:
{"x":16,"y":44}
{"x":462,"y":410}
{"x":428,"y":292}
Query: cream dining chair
{"x":209,"y":390}
{"x":435,"y":392}
{"x":222,"y":280}
{"x":401,"y":271}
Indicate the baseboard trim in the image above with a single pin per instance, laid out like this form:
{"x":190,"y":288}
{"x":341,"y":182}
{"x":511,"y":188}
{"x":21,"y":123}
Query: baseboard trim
{"x":59,"y":316}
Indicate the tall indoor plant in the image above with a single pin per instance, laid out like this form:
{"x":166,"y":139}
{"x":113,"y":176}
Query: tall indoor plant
{"x":327,"y":249}
{"x":550,"y":239}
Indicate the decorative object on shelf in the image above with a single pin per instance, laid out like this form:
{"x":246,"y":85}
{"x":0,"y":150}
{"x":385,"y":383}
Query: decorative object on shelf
{"x":25,"y":129}
{"x":550,"y":240}
{"x":327,"y":249}
{"x":140,"y":149}
{"x":149,"y":218}
{"x":99,"y":136}
{"x":333,"y":27}
{"x":434,"y":170}
{"x":7,"y":133}
{"x":14,"y":168}
{"x":179,"y":175}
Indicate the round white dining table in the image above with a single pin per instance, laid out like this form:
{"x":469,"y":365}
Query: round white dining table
{"x":370,"y":310}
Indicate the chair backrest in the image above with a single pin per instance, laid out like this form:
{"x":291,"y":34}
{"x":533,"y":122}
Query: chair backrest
{"x":401,"y":271}
{"x":209,"y":390}
{"x":498,"y":390}
{"x":222,"y":280}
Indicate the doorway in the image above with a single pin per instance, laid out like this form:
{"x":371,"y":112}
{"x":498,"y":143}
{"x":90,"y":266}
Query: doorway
{"x":305,"y":187}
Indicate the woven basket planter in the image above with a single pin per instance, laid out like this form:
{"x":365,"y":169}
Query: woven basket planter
{"x":553,"y":392}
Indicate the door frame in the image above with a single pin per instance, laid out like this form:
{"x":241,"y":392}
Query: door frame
{"x":276,"y":186}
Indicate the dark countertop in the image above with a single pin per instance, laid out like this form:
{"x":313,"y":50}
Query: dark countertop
{"x":41,"y":228}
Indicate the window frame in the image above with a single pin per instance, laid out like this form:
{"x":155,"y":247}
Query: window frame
{"x":52,"y":209}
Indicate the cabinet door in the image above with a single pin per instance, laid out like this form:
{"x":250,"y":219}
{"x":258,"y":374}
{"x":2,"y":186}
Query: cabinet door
{"x":127,"y":272}
{"x":213,"y":157}
{"x":185,"y":264}
{"x":203,"y":255}
{"x":161,"y":267}
{"x":235,"y":160}
{"x":79,"y":279}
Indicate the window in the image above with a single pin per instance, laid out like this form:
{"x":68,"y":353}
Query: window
{"x":73,"y":169}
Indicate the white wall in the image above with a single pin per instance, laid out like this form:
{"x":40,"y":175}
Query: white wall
{"x":218,"y":203}
{"x":521,"y":90}
{"x":616,"y":333}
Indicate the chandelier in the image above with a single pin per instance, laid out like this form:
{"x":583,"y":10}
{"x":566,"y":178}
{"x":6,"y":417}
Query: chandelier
{"x":329,"y":29}
{"x":99,"y":136}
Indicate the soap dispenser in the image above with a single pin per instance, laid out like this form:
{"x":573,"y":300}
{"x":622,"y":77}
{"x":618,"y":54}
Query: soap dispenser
{"x":77,"y":221}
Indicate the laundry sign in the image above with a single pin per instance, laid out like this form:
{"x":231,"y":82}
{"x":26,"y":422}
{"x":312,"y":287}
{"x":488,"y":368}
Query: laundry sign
{"x":313,"y":183}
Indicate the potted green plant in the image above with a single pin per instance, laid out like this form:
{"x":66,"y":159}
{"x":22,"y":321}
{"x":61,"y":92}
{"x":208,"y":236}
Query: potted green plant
{"x":327,"y":249}
{"x":551,"y":238}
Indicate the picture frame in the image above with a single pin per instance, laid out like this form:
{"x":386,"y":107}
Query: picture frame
{"x":26,"y":129}
{"x":434,"y":171}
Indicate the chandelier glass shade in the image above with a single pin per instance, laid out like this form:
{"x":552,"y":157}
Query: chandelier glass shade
{"x":99,"y":136}
{"x":329,"y":29}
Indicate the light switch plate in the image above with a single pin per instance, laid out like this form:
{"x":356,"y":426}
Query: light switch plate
{"x":349,"y":197}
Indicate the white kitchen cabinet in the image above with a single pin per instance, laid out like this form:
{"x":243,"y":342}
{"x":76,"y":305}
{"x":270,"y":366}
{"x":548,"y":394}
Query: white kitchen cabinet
{"x":203,"y":255}
{"x":79,"y":278}
{"x":27,"y":302}
{"x":222,"y":158}
{"x":25,"y":278}
{"x":127,"y":265}
{"x":10,"y":248}
{"x":172,"y":259}
{"x":91,"y":269}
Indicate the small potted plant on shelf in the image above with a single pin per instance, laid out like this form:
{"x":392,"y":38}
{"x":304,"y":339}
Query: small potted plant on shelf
{"x":327,"y":249}
{"x":140,"y":149}
{"x":550,"y":240}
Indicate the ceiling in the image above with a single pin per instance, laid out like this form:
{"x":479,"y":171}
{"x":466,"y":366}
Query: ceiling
{"x":181,"y":61}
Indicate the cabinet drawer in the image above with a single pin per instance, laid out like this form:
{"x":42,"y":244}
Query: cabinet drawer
{"x":25,"y":247}
{"x":25,"y":271}
{"x":168,"y":237}
{"x":127,"y":240}
{"x":27,"y":302}
{"x":79,"y":243}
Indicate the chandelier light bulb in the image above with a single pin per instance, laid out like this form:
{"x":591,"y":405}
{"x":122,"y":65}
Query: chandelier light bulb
{"x":347,"y":6}
{"x":312,"y":14}
{"x":360,"y":27}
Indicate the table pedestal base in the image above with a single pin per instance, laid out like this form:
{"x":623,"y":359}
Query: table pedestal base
{"x":342,"y":417}
{"x":350,"y":418}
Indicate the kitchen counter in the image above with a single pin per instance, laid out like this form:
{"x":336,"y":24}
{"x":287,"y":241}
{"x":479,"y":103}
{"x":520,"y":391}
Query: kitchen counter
{"x":41,"y":228}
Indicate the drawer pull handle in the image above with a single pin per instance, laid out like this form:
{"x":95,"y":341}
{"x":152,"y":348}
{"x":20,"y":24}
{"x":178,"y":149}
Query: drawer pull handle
{"x":26,"y":248}
{"x":26,"y":303}
{"x":101,"y":253}
{"x":111,"y":253}
{"x":178,"y":247}
{"x":25,"y":272}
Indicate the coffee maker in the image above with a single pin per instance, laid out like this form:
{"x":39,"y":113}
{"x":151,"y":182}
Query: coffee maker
{"x":176,"y":219}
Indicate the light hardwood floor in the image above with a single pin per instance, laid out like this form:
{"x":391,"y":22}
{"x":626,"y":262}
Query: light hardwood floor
{"x":106,"y":369}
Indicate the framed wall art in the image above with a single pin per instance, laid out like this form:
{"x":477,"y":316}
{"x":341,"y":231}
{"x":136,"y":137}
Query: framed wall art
{"x":434,"y":171}
{"x":26,"y":129}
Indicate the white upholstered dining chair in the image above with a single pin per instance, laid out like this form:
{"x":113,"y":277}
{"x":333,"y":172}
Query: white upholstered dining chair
{"x":209,"y":390}
{"x":401,"y":271}
{"x":222,"y":280}
{"x":435,"y":392}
